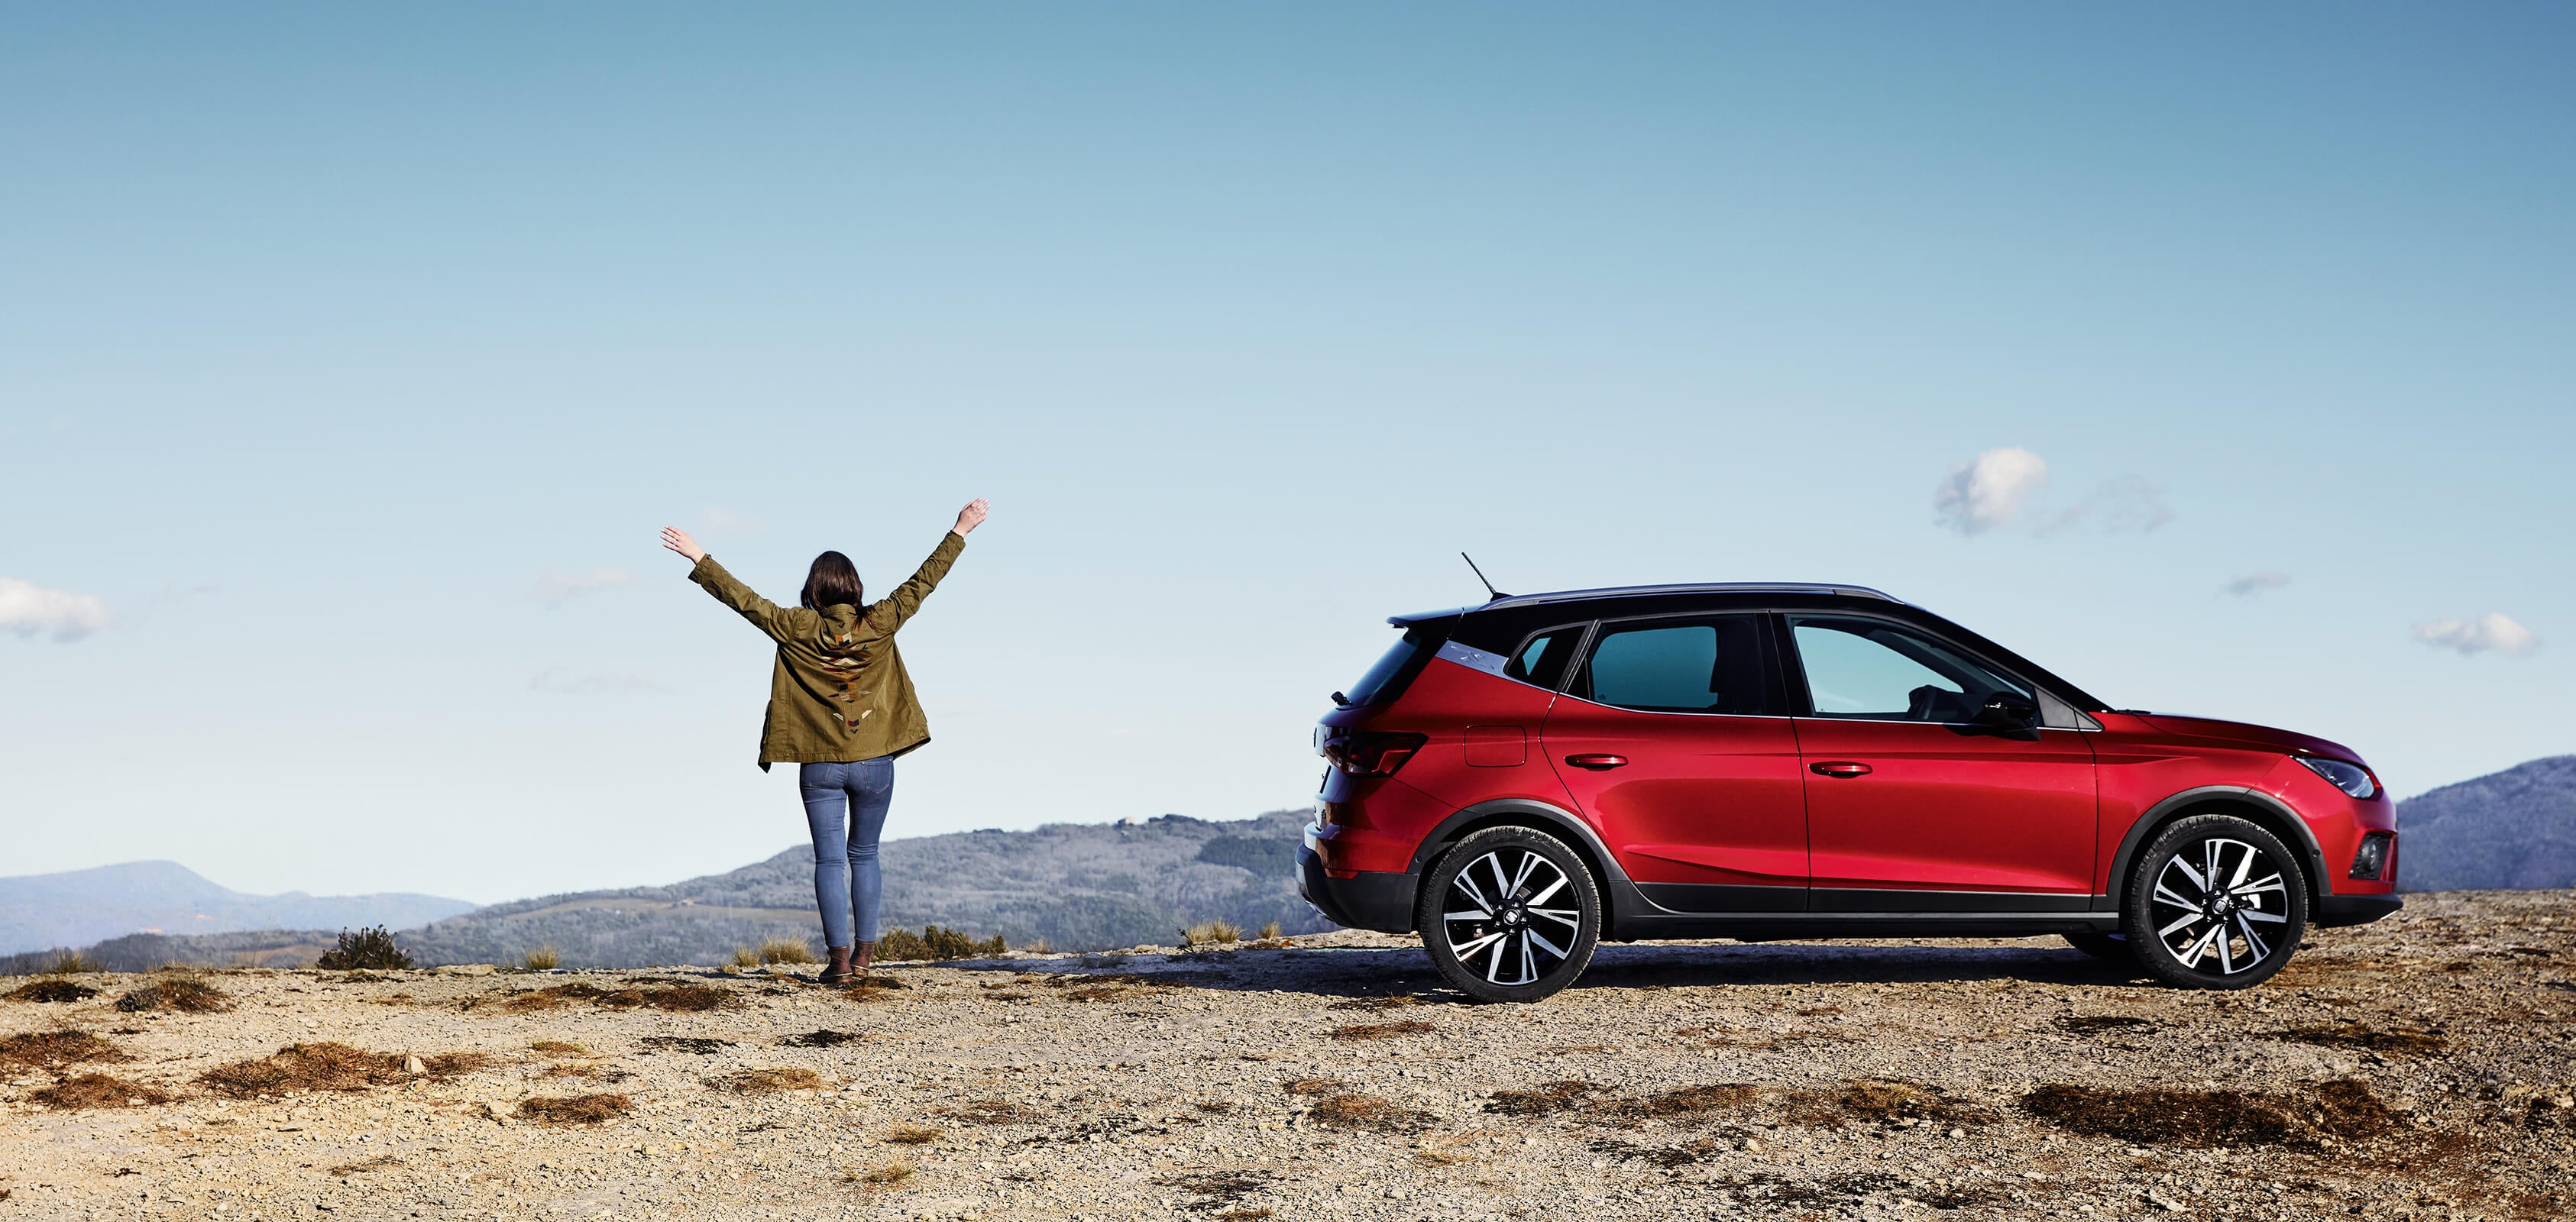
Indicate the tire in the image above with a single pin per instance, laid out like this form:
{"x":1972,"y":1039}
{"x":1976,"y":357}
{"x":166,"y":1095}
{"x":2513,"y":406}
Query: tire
{"x":2109,"y":947}
{"x":1509,"y":914}
{"x":2233,"y":936}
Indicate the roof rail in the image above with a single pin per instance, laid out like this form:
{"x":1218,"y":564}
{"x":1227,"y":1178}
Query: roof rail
{"x":1709,"y":587}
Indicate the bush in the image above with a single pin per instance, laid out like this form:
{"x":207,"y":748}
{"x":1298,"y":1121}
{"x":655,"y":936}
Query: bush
{"x":1206,"y":932}
{"x":786,"y":950}
{"x":934,"y":943}
{"x":744,"y":956}
{"x":70,"y":963}
{"x":365,"y":948}
{"x":544,"y":959}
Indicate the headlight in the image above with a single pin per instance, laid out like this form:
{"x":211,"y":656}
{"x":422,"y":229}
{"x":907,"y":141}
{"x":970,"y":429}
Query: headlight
{"x":2350,"y":778}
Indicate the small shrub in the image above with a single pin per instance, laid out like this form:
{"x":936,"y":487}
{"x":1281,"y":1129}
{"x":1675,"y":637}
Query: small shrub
{"x":1354,"y":1111}
{"x":93,"y":1090}
{"x":769,"y":1081}
{"x":544,"y":959}
{"x":366,"y":948}
{"x":744,"y":956}
{"x":178,"y":993}
{"x":1550,"y":1097}
{"x":53,"y":991}
{"x":329,"y":1066}
{"x":891,"y":1173}
{"x":787,"y":950}
{"x":73,"y":963}
{"x":933,"y":942}
{"x":54,"y":1049}
{"x":912,"y":1134}
{"x":1269,"y":930}
{"x":1211,"y":933}
{"x":574,"y":1109}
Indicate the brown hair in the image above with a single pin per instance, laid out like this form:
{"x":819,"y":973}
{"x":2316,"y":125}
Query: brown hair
{"x":832,"y":581}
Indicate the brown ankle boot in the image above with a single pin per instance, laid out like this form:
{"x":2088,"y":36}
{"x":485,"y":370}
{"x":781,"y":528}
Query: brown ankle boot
{"x":867,"y":951}
{"x":839,"y":970}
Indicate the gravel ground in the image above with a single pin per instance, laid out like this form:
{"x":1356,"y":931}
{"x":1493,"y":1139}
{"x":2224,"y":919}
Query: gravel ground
{"x":2417,"y":1068}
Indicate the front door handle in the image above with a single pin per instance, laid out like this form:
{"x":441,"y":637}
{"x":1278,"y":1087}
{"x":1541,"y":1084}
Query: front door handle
{"x":1598,"y":763}
{"x":1841,"y":768}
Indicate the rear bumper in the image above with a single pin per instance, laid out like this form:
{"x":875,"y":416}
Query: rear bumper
{"x":1368,"y":899}
{"x":2336,"y":910}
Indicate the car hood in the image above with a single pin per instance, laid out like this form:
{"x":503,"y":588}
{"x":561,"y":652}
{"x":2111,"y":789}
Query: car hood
{"x":2239,"y":734}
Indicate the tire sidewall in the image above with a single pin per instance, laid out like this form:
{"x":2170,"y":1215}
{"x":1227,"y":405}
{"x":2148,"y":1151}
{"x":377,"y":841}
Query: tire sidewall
{"x":1428,"y":905}
{"x":2137,"y":917}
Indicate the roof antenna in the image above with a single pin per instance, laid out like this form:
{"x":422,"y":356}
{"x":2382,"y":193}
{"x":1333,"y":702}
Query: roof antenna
{"x":1498,"y":595}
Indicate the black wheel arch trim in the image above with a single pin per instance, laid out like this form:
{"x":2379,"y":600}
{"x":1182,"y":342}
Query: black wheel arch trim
{"x":1609,"y":879}
{"x":2301,"y":839}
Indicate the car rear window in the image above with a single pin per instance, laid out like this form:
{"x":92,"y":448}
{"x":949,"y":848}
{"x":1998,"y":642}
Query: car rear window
{"x":1396,"y":668}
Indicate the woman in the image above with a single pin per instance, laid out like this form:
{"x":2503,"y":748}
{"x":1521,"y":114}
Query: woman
{"x":841,"y":708}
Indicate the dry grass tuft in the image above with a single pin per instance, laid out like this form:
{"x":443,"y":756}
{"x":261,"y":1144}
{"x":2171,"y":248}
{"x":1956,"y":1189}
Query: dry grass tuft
{"x":544,"y":959}
{"x":1682,"y":1105}
{"x":1892,"y":1101}
{"x":54,"y":1049}
{"x":769,"y":1081}
{"x":575,"y":1109}
{"x":912,"y":1134}
{"x":1212,"y":933}
{"x":787,"y":950}
{"x":891,"y":1173}
{"x":1312,"y":1086}
{"x":1549,"y":1098}
{"x":2354,"y":1034}
{"x":176,"y":993}
{"x":378,"y":1163}
{"x":73,"y":963}
{"x":933,"y":942}
{"x":822,"y":1039}
{"x":1270,"y":931}
{"x":2343,"y":1110}
{"x":329,"y":1067}
{"x":52,"y":990}
{"x":1396,"y":1002}
{"x":558,"y":1048}
{"x":96,"y":1090}
{"x":1355,"y":1111}
{"x":1358,"y":1032}
{"x":744,"y":956}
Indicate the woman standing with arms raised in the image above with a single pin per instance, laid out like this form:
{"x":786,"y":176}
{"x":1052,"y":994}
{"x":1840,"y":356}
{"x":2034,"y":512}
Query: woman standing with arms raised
{"x":840,"y":708}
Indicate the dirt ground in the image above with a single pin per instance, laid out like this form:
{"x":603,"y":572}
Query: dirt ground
{"x":2416,"y":1068}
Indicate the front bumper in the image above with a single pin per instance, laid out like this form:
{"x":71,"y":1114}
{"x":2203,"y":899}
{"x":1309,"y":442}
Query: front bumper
{"x":2335,"y":910}
{"x":1368,"y":899}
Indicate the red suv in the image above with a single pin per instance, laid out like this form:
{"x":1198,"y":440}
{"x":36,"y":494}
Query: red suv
{"x":1519,"y":780}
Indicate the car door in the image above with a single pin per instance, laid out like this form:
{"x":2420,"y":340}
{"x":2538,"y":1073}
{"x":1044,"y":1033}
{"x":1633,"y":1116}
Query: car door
{"x":1673,"y":739}
{"x":1915,"y":800}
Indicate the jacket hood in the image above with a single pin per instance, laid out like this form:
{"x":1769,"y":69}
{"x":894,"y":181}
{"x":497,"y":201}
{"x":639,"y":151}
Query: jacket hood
{"x":2240,"y":734}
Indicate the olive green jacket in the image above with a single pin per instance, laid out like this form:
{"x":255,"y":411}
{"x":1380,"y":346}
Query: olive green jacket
{"x":838,"y":692}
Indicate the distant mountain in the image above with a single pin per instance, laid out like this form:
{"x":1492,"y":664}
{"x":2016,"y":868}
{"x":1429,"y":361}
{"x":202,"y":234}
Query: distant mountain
{"x":1079,"y":886}
{"x":79,"y":907}
{"x":2511,"y":829}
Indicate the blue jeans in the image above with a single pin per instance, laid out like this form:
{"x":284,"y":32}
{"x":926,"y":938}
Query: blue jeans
{"x":845,"y":808}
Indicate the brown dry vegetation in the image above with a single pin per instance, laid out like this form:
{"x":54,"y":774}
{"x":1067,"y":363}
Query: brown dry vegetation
{"x":2352,"y":1034}
{"x":768,"y":1081}
{"x":177,"y":993}
{"x":96,"y":1090}
{"x":912,"y":1134}
{"x":51,"y":991}
{"x":1357,"y":1111}
{"x":822,"y":1039}
{"x":574,"y":1109}
{"x":328,"y":1066}
{"x":54,"y":1049}
{"x":683,"y":998}
{"x":1380,"y":1031}
{"x":2343,"y":1110}
{"x":557,"y":1048}
{"x":1396,"y":1002}
{"x":1549,"y":1098}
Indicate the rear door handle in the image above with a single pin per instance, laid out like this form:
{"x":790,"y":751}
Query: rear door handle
{"x":1598,"y":763}
{"x":1841,"y":768}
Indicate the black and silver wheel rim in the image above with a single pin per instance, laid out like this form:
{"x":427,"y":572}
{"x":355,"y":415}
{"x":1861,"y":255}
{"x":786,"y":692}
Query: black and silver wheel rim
{"x":1500,"y":920}
{"x":2220,"y":904}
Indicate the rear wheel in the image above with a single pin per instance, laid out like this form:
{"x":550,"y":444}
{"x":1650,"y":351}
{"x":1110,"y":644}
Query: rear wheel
{"x":2107,"y":946}
{"x":1509,"y":914}
{"x":2215,"y":902}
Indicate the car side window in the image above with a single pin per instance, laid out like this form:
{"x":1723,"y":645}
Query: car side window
{"x":1716,"y":664}
{"x":1544,"y":657}
{"x":1876,"y":671}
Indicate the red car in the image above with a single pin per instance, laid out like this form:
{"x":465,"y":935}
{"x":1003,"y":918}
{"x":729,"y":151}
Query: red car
{"x":1519,"y":780}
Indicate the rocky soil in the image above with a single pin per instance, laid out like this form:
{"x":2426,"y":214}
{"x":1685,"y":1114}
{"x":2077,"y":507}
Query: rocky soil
{"x":2417,"y":1068}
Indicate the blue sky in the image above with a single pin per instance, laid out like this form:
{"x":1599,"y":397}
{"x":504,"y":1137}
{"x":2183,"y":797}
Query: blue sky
{"x":351,"y":358}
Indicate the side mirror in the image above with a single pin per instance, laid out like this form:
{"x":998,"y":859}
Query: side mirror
{"x":2009,"y":709}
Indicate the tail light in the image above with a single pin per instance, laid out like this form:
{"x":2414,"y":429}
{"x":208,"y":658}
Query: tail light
{"x":1371,"y":752}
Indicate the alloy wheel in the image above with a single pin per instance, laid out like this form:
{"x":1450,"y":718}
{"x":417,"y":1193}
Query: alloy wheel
{"x":2222,"y":903}
{"x":1509,"y":916}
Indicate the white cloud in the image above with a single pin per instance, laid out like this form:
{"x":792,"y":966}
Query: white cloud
{"x":29,"y":609}
{"x":1988,"y":491}
{"x":557,"y":588}
{"x":593,"y":683}
{"x":2252,"y":584}
{"x":2493,"y":632}
{"x":2128,"y":503}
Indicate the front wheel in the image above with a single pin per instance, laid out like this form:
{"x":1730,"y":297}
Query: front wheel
{"x":2215,"y":903}
{"x":1509,"y":914}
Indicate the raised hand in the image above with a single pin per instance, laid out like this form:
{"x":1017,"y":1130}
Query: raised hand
{"x":678,"y":540}
{"x":970,"y":517}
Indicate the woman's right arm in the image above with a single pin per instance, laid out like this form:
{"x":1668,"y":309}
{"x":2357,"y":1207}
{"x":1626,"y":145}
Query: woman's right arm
{"x":712,"y":577}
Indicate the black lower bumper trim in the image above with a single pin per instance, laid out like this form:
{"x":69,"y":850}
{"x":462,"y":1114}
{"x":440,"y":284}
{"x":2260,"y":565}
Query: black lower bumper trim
{"x":1366,"y":900}
{"x":2335,"y":910}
